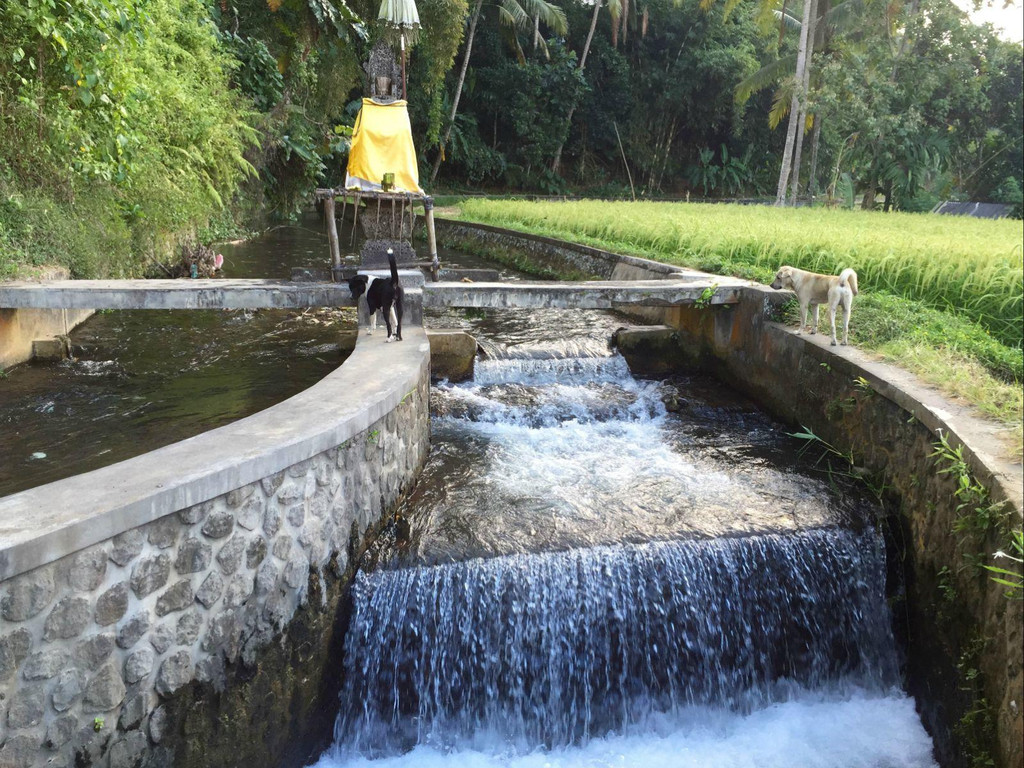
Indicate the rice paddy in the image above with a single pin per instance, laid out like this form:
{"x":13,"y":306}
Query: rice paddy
{"x":968,"y":266}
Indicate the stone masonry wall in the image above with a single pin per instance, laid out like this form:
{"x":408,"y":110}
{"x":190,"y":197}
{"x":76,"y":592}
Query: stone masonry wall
{"x":96,"y":647}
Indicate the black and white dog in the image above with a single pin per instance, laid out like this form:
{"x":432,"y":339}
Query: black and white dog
{"x":383,"y":295}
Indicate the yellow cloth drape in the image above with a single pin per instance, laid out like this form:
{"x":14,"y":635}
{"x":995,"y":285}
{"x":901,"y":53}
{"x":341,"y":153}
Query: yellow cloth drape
{"x":382,"y":143}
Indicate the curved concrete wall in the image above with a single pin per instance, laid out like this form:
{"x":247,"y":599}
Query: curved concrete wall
{"x":957,"y":622}
{"x":139,"y":603}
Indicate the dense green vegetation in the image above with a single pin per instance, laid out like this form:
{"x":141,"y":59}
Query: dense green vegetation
{"x":133,"y":126}
{"x":907,"y":104}
{"x":941,"y":295}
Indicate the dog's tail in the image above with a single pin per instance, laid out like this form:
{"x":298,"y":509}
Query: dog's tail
{"x":394,"y":268}
{"x":848,"y":278}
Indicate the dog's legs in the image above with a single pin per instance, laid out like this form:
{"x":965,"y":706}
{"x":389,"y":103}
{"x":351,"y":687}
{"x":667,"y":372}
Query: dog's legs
{"x":387,"y":313}
{"x":394,"y":321}
{"x":803,"y":319}
{"x":832,"y":304}
{"x":814,"y":328}
{"x":398,"y":320}
{"x":373,"y":323}
{"x":847,"y":307}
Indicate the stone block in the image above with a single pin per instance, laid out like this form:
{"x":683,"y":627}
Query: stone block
{"x":238,"y":590}
{"x":163,"y":533}
{"x":218,"y":525}
{"x":128,"y":751}
{"x":93,"y":651}
{"x":296,"y":515}
{"x":138,"y":665}
{"x":272,"y":519}
{"x":157,"y":723}
{"x":105,"y":691}
{"x":250,"y":514}
{"x":290,"y":493}
{"x":211,"y":589}
{"x":150,"y":574}
{"x":175,"y":671}
{"x":175,"y":598}
{"x":60,"y":731}
{"x":271,"y":484}
{"x":195,"y":514}
{"x":27,"y":707}
{"x":28,"y":594}
{"x":239,"y":495}
{"x":131,"y":631}
{"x":42,"y":665}
{"x":189,"y":624}
{"x":296,"y":572}
{"x":230,"y":556}
{"x":255,"y":552}
{"x":162,"y":638}
{"x":194,"y":556}
{"x":68,"y":618}
{"x":282,"y":546}
{"x":70,"y":685}
{"x":19,"y":752}
{"x":127,"y":546}
{"x":266,"y":577}
{"x":14,"y":648}
{"x":87,"y":570}
{"x":135,"y":708}
{"x":112,"y":605}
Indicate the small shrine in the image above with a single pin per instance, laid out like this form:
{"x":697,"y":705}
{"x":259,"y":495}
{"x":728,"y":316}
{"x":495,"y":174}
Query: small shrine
{"x":382,"y":177}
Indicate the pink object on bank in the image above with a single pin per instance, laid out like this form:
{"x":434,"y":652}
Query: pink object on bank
{"x":218,"y":260}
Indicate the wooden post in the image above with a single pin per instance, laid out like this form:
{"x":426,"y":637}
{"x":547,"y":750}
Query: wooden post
{"x":332,"y":237}
{"x":355,"y":218}
{"x":435,"y":264}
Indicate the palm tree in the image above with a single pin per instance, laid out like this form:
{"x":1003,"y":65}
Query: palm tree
{"x":615,"y":8}
{"x":516,"y":15}
{"x":791,"y":97}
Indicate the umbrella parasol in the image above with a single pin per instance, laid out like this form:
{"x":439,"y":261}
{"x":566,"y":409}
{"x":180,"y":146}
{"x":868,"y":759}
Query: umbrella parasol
{"x":401,"y":21}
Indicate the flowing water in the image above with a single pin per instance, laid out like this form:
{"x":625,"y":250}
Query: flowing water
{"x":587,"y":579}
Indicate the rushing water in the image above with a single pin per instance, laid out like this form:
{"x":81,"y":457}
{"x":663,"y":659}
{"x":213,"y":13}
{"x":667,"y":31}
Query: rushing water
{"x":588,"y":579}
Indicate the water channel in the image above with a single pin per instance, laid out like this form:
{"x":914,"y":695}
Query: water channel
{"x":584,"y":578}
{"x":581,"y":577}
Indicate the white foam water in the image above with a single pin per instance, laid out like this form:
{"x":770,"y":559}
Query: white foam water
{"x":811,"y":731}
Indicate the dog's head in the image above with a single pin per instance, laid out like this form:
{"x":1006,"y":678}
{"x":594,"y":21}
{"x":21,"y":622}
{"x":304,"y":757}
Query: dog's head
{"x":783,"y":278}
{"x":357,"y":285}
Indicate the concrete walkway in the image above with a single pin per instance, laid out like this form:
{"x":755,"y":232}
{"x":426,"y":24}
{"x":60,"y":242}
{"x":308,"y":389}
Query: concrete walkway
{"x":172,"y":294}
{"x":587,"y":295}
{"x":283,"y":294}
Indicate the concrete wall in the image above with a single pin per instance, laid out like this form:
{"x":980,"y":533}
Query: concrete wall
{"x":20,"y":327}
{"x":187,"y":607}
{"x":955,"y":621}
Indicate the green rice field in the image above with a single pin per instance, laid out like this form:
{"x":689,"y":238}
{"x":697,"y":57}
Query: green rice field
{"x":970,"y":266}
{"x":941,"y":295}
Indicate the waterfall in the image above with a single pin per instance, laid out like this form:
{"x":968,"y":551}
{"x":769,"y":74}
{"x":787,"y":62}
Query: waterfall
{"x":556,"y":648}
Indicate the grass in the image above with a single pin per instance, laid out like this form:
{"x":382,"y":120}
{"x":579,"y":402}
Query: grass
{"x":942,"y":296}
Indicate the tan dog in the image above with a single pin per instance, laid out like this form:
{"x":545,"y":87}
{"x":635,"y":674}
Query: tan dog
{"x":812,"y":289}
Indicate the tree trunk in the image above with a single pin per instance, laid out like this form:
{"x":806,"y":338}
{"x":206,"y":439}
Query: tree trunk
{"x":868,"y":203}
{"x":812,"y":182}
{"x":888,"y":197}
{"x":536,"y":30}
{"x":458,"y":88}
{"x":557,"y":162}
{"x":625,"y":21}
{"x":794,"y":108}
{"x":805,"y":88}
